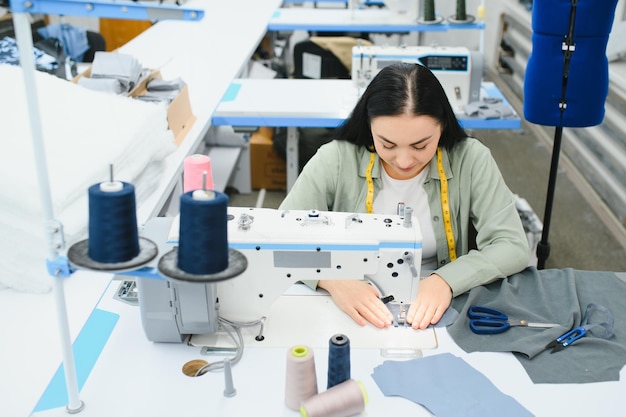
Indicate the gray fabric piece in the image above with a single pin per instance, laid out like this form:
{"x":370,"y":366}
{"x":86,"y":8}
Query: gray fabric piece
{"x":487,"y":110}
{"x":122,"y":67}
{"x":550,"y":296}
{"x":107,"y":85}
{"x":447,"y":386}
{"x":159,"y":84}
{"x":449,"y":317}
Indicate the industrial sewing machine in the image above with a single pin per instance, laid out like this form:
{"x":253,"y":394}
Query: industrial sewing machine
{"x":459,"y":70}
{"x":281,"y":248}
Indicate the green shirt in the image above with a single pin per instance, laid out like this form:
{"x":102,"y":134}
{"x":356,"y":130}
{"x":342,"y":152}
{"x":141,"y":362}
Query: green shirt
{"x":334,"y":180}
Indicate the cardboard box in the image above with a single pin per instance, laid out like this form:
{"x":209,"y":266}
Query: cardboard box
{"x":179,"y":115}
{"x":267,"y":169}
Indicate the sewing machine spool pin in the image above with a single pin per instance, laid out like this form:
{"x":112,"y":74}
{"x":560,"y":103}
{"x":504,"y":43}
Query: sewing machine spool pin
{"x":229,"y":390}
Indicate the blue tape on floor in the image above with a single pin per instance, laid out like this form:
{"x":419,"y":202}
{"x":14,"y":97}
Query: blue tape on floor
{"x":87,"y":348}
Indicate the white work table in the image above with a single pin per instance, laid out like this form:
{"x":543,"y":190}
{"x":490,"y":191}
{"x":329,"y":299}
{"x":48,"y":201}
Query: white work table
{"x":360,"y":20}
{"x":315,"y":103}
{"x":294,"y":103}
{"x":133,"y":376}
{"x":121,"y":373}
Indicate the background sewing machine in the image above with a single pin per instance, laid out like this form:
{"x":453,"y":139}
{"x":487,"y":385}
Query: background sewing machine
{"x":458,"y":69}
{"x":402,"y":7}
{"x":282,"y":248}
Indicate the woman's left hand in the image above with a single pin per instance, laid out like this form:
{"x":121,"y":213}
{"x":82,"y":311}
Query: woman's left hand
{"x":433,"y":299}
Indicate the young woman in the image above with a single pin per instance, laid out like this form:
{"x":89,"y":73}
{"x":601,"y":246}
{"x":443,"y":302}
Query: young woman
{"x":403,"y":144}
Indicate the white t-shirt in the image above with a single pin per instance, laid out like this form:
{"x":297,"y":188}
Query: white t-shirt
{"x":412,"y":194}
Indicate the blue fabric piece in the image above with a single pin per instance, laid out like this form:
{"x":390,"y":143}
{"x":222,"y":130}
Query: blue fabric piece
{"x":9,"y":54}
{"x":588,"y":76}
{"x":447,"y":386}
{"x":74,"y":39}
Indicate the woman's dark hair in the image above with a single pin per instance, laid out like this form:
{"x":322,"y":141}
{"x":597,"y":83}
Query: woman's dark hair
{"x":398,"y":89}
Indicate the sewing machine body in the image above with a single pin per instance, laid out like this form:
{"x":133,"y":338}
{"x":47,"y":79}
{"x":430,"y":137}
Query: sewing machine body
{"x":281,"y":248}
{"x":459,"y":70}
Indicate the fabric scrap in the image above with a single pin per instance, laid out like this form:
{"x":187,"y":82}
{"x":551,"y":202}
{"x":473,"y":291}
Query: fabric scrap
{"x":550,"y":296}
{"x":447,"y":386}
{"x":73,"y":38}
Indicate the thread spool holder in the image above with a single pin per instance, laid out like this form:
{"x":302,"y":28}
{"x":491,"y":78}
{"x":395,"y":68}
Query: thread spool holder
{"x":79,"y":258}
{"x":459,"y":20}
{"x":168,"y":267}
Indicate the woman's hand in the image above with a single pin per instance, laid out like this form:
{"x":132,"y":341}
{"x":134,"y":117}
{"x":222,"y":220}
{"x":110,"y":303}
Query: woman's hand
{"x":433,"y":299}
{"x":359,"y":300}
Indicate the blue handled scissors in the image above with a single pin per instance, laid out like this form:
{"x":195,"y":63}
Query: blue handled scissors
{"x":486,"y":320}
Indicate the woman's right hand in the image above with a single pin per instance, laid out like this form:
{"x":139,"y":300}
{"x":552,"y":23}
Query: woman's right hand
{"x":359,"y":300}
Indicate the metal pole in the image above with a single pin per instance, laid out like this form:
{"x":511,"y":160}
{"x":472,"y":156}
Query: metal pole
{"x":24,"y":40}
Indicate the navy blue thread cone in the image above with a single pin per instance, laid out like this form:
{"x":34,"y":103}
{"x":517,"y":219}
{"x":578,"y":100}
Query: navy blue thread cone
{"x":203,"y":238}
{"x":113,"y":233}
{"x":338,"y":360}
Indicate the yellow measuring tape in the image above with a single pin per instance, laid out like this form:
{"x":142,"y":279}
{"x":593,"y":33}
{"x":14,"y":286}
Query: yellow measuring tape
{"x":445,"y":206}
{"x":369,"y":199}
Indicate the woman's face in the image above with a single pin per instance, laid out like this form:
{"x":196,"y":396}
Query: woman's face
{"x":405,"y":143}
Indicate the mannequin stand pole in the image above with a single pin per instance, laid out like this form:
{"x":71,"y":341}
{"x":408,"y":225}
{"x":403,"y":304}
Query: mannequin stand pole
{"x":543,"y":247}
